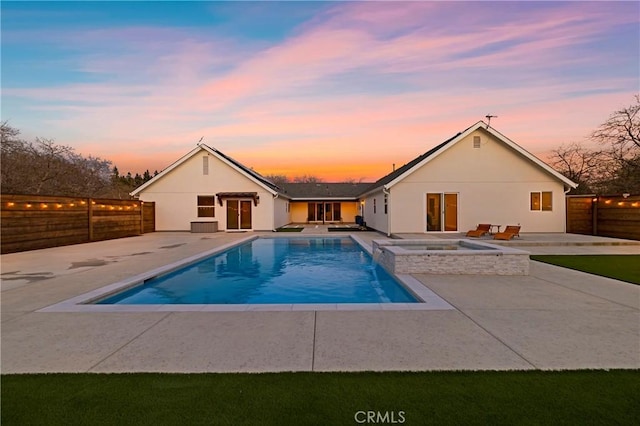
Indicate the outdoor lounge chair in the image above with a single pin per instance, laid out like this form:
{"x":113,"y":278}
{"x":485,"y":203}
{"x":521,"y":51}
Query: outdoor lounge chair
{"x":509,"y":232}
{"x":481,"y":230}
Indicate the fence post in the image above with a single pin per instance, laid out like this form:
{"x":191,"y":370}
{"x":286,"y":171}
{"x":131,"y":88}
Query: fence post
{"x":90,"y":215}
{"x":141,"y":218}
{"x":594,"y":215}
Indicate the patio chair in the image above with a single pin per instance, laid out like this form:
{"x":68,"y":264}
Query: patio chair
{"x":509,"y":232}
{"x":481,"y":230}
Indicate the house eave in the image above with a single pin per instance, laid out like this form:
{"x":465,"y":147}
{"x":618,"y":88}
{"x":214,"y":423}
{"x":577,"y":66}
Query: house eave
{"x":324,"y":198}
{"x":184,"y":158}
{"x":479,"y":125}
{"x":380,"y":188}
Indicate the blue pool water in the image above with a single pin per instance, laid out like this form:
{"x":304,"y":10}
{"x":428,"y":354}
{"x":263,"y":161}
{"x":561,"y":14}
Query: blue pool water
{"x":274,"y":270}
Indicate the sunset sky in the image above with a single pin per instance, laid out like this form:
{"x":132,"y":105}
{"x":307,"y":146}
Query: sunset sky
{"x":333,"y":89}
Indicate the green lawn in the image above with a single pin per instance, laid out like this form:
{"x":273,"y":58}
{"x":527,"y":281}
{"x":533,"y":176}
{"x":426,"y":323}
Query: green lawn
{"x":621,"y":267}
{"x":289,"y":229}
{"x":583,"y":397}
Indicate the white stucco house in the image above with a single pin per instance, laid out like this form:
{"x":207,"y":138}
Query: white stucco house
{"x":207,"y":186}
{"x":477,"y":176}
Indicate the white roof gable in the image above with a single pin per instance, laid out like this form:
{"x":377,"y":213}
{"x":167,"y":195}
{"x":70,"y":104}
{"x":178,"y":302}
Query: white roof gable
{"x":251,"y":175}
{"x":460,"y":136}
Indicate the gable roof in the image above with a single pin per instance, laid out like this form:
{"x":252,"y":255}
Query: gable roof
{"x":251,"y":174}
{"x":322,"y":191}
{"x":399,"y":174}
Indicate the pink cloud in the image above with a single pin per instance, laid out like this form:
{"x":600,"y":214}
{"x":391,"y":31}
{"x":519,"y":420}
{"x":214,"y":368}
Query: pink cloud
{"x":273,"y":99}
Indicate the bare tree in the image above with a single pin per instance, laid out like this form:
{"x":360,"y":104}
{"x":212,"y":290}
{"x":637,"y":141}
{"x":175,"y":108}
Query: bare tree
{"x":278,"y":180}
{"x":44,"y":167}
{"x":620,"y":138}
{"x":49,"y":166}
{"x":307,"y":179}
{"x":353,"y":180}
{"x":8,"y":136}
{"x":586,"y":167}
{"x":14,"y":157}
{"x":621,"y":131}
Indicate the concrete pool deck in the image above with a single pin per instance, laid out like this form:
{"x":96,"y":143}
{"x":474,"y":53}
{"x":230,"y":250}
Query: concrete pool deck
{"x":554,"y":318}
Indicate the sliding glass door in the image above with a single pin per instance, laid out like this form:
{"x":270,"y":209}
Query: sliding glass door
{"x":239,"y":214}
{"x":324,"y":212}
{"x":442,"y":212}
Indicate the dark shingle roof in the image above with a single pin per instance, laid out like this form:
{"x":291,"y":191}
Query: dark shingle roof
{"x":323,"y":190}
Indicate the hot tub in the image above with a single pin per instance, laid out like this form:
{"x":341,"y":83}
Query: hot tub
{"x":449,"y":257}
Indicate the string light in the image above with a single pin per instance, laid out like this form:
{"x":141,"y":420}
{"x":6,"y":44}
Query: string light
{"x":121,"y":207}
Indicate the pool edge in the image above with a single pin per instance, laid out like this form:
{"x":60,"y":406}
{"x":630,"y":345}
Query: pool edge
{"x":427,"y":300}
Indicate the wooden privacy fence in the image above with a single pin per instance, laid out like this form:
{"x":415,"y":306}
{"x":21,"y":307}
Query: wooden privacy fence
{"x":32,"y":222}
{"x":604,"y":215}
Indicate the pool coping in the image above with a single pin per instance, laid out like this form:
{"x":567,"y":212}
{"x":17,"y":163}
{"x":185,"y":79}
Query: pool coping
{"x":427,"y":299}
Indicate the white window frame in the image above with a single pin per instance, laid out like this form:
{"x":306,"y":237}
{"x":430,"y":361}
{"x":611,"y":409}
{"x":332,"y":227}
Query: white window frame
{"x":206,"y":206}
{"x":541,"y":204}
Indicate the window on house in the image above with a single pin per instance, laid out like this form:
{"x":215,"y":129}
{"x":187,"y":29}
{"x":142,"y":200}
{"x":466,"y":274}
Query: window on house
{"x":206,"y":206}
{"x":476,"y":141}
{"x":374,"y":206}
{"x":547,"y":201}
{"x":337,"y":211}
{"x":386,"y":203}
{"x":542,"y":201}
{"x":205,"y":165}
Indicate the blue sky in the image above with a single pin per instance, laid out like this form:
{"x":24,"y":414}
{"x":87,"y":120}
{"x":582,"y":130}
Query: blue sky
{"x":280,"y":85}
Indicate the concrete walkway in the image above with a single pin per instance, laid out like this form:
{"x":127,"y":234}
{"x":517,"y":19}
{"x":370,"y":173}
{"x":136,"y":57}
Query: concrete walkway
{"x":552,"y":319}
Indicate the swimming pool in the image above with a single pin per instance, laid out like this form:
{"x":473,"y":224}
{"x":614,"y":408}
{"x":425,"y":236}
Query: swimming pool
{"x":274,"y":271}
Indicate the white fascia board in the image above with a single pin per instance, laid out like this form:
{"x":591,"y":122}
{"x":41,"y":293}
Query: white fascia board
{"x":190,"y":154}
{"x":532,"y":158}
{"x":497,"y":135}
{"x":166,"y":171}
{"x":434,"y":155}
{"x":213,"y":151}
{"x":374,"y":191}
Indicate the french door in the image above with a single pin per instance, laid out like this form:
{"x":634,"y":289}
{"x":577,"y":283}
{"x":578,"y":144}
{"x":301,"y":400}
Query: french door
{"x":238,"y":214}
{"x":442,"y":212}
{"x":324,"y":212}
